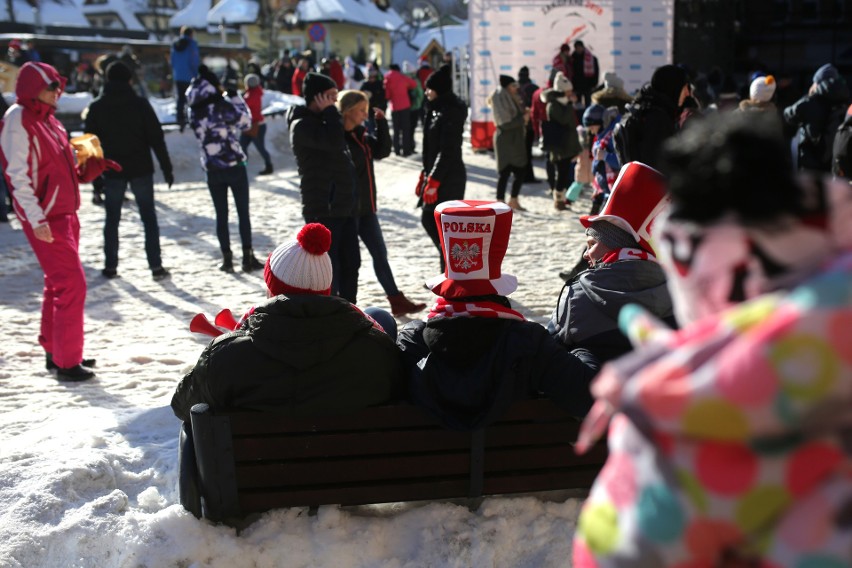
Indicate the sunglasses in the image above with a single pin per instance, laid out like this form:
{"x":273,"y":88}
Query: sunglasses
{"x":54,"y":86}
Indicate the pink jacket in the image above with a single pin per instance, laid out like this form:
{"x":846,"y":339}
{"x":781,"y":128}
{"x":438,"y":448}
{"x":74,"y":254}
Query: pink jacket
{"x":35,"y":153}
{"x":396,"y":90}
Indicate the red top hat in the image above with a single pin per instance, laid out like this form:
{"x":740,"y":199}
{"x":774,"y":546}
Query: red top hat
{"x":638,"y":196}
{"x":474,"y":237}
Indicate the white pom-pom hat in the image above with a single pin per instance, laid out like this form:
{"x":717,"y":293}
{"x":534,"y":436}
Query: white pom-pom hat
{"x":762,"y":89}
{"x":301,"y":266}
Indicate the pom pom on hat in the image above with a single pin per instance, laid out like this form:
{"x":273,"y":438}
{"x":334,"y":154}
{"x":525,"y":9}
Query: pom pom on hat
{"x":119,"y":72}
{"x":562,"y":83}
{"x":506,"y":80}
{"x":762,"y":89}
{"x":301,"y":266}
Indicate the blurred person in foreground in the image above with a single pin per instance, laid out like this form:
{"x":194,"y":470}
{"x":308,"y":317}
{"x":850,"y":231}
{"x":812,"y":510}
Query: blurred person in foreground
{"x":303,"y":352}
{"x":44,"y":181}
{"x":730,"y":440}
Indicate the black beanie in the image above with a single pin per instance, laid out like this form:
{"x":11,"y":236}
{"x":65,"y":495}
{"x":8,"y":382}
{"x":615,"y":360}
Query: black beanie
{"x":669,"y":80}
{"x":440,"y":81}
{"x":506,"y":80}
{"x":119,"y":72}
{"x":316,"y":83}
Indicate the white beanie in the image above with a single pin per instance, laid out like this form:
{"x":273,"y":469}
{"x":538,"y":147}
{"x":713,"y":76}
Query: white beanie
{"x":562,"y":83}
{"x":613,"y":81}
{"x":301,"y":266}
{"x":762,"y":89}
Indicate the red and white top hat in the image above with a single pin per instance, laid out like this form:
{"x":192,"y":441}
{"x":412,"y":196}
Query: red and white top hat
{"x":638,"y":196}
{"x":474,"y":237}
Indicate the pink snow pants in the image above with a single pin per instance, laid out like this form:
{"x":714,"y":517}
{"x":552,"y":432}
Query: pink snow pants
{"x":64,"y":290}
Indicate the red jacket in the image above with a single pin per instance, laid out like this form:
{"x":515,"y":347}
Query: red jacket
{"x":538,"y":112}
{"x":337,"y":74}
{"x":298,"y":79}
{"x":396,"y":90}
{"x":35,"y":153}
{"x":254,"y":101}
{"x":423,"y":74}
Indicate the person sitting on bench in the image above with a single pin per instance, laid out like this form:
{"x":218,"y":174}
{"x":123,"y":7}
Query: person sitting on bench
{"x":622,"y":268}
{"x":475,"y":355}
{"x":303,"y":352}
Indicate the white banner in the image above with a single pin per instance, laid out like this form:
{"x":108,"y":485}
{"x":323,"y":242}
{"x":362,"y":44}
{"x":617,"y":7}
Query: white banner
{"x":630,"y":37}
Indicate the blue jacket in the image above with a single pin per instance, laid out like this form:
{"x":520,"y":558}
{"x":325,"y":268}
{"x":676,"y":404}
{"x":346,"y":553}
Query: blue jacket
{"x":185,"y":59}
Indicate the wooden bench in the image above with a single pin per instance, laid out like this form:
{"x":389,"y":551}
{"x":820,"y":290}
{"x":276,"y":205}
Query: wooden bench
{"x":233,"y":464}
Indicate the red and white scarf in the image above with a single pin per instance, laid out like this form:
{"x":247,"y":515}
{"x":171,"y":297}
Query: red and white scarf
{"x":480,"y":309}
{"x":627,"y":254}
{"x":588,"y":64}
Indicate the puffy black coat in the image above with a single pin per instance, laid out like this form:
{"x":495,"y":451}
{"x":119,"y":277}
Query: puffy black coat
{"x":467,"y":371}
{"x":301,"y":356}
{"x":364,"y":149}
{"x":811,"y":115}
{"x":324,"y":162}
{"x":658,"y":121}
{"x":443,"y":126}
{"x":128,"y":129}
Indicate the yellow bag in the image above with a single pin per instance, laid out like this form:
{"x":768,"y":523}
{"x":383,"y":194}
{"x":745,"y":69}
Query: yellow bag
{"x":87,"y":146}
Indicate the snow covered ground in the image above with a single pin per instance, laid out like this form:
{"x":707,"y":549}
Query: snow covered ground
{"x":88,"y":472}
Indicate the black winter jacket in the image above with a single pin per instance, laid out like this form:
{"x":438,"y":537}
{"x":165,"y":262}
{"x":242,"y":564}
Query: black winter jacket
{"x":443,"y":126}
{"x":658,"y":116}
{"x":364,"y":149}
{"x":301,"y":356}
{"x":325,"y":163}
{"x":810,"y":115}
{"x":128,"y":130}
{"x":467,"y":371}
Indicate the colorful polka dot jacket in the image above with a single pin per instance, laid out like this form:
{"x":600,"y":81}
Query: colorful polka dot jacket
{"x":731,"y":440}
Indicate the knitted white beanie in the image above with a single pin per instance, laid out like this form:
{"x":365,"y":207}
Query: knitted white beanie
{"x":762,"y":89}
{"x":301,"y":266}
{"x":562,"y":83}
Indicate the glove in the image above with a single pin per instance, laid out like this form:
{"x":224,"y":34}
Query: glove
{"x":419,"y":189}
{"x":94,"y":167}
{"x":169,"y":176}
{"x":430,"y":194}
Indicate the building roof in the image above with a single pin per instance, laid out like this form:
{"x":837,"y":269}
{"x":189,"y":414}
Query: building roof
{"x":234,"y":12}
{"x":52,"y":13}
{"x":452,"y":37}
{"x":362,"y":12}
{"x":194,"y":15}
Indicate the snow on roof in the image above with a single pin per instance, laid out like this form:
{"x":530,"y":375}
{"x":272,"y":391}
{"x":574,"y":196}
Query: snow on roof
{"x":52,"y":13}
{"x":126,"y":10}
{"x":194,"y":15}
{"x":234,"y":12}
{"x":363,"y":12}
{"x":454,"y":36}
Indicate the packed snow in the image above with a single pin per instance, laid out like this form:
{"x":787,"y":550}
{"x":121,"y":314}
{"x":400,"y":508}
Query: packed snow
{"x":88,"y":471}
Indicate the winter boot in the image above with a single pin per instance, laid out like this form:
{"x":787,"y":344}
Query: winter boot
{"x":266,"y":171}
{"x":227,"y":261}
{"x":400,"y":305}
{"x":597,"y":203}
{"x":513,"y":203}
{"x":559,"y":200}
{"x":249,"y":261}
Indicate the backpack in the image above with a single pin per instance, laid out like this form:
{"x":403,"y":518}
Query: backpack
{"x":627,"y":135}
{"x":357,"y":75}
{"x":835,"y":118}
{"x":841,"y":162}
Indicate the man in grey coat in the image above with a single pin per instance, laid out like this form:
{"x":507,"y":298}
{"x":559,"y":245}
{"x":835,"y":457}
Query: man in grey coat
{"x":623,"y":269}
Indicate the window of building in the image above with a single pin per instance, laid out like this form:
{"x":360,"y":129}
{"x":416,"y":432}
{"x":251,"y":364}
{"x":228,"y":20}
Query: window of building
{"x":810,"y":10}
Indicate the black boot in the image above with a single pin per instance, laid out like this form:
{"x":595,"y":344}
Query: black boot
{"x":249,"y":261}
{"x":227,"y":261}
{"x":266,"y":171}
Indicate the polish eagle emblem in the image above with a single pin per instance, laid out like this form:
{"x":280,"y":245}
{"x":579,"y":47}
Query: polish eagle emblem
{"x":466,"y":254}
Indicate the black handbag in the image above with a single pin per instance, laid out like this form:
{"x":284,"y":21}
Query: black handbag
{"x":552,"y":134}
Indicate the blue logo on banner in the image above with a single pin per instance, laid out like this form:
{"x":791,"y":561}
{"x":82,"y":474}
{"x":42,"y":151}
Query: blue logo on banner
{"x":616,"y":24}
{"x":657,"y":52}
{"x":529,"y":24}
{"x":529,"y":52}
{"x":505,"y":38}
{"x":505,"y":8}
{"x":658,"y":24}
{"x":484,"y":23}
{"x":636,"y":38}
{"x":485,"y":53}
{"x":485,"y":110}
{"x":636,"y":8}
{"x":635,"y":66}
{"x":485,"y":82}
{"x":505,"y":68}
{"x":615,"y":52}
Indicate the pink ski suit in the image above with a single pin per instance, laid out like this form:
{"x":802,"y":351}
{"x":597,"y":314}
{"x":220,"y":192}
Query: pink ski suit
{"x":41,"y":173}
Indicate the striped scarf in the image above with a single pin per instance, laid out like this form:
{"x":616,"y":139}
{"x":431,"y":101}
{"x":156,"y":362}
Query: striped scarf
{"x":479,"y":309}
{"x":588,"y":64}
